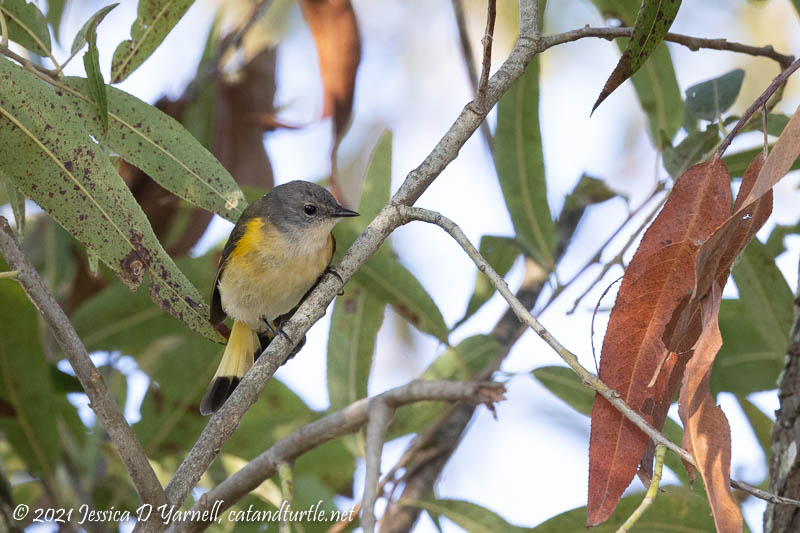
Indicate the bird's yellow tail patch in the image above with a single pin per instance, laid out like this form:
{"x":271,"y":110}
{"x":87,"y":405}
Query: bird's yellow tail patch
{"x":236,"y":360}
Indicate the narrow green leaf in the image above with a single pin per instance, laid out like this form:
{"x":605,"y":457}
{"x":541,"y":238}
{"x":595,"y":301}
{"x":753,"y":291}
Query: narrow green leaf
{"x":95,"y":83}
{"x":55,"y":12}
{"x":760,"y":422}
{"x":382,"y":275}
{"x":520,"y":166}
{"x":774,"y":245}
{"x":52,"y":160}
{"x":737,"y":163}
{"x":154,"y":20}
{"x":674,"y":509}
{"x":655,"y":82}
{"x":376,"y":191}
{"x":775,"y":123}
{"x":755,"y":327}
{"x":357,"y":317}
{"x":90,"y":25}
{"x":588,"y":191}
{"x":389,"y":281}
{"x":500,"y":252}
{"x":27,"y":26}
{"x":17,"y":202}
{"x":31,"y":406}
{"x":459,"y":362}
{"x":691,"y":150}
{"x":158,"y":145}
{"x":709,"y":99}
{"x":470,"y":516}
{"x":568,"y":387}
{"x":652,"y":23}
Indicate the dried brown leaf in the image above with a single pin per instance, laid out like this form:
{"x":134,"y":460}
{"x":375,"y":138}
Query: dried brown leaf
{"x":658,"y":279}
{"x":707,"y":435}
{"x":335,"y":30}
{"x":779,"y":161}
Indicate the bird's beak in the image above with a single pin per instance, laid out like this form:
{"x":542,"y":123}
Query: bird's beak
{"x":342,"y":212}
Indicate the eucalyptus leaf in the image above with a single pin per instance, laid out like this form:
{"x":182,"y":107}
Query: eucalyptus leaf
{"x":709,"y":99}
{"x":357,"y":317}
{"x":519,"y":161}
{"x":55,"y":13}
{"x":95,"y":83}
{"x":53,"y":161}
{"x":470,"y":516}
{"x":158,"y":145}
{"x":691,"y":150}
{"x":760,"y":423}
{"x":89,"y":26}
{"x":154,"y":20}
{"x":26,"y":26}
{"x":681,"y":506}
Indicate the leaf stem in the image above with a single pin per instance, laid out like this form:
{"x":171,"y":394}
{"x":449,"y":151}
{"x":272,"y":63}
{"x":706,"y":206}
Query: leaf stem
{"x":11,"y":274}
{"x":652,"y":491}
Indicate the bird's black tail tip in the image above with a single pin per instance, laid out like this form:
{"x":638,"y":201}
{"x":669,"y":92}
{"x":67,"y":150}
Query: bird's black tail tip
{"x":219,"y":390}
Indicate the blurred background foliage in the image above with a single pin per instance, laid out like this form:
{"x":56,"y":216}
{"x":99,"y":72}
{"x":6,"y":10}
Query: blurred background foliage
{"x":539,"y":191}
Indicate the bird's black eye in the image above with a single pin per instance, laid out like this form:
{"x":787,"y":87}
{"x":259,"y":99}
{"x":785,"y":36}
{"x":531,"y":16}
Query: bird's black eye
{"x":310,"y":209}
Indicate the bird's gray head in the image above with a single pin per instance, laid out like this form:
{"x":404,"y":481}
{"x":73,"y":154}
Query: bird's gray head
{"x":301,"y":205}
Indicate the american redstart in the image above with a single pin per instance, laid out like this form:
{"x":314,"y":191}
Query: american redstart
{"x":277,"y":250}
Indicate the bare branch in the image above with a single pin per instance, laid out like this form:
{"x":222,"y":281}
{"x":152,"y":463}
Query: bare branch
{"x":100,"y":398}
{"x":331,"y":426}
{"x":488,"y":37}
{"x":589,"y":379}
{"x":380,"y":414}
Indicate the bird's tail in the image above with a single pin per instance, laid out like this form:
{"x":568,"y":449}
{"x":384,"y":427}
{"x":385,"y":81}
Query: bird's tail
{"x":243,"y":345}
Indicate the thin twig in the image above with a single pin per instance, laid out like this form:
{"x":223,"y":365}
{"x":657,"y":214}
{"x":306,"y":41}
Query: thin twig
{"x":488,"y":37}
{"x":101,"y":400}
{"x":692,"y":43}
{"x":380,"y":414}
{"x":342,"y":422}
{"x":650,"y":496}
{"x":469,"y":62}
{"x":27,"y":63}
{"x":11,"y":274}
{"x":760,"y":102}
{"x":590,"y":380}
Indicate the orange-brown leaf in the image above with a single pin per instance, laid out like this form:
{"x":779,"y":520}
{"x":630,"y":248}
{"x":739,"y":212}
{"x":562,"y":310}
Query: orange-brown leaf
{"x":659,"y":277}
{"x":335,"y":30}
{"x":707,"y":435}
{"x":716,"y":256}
{"x":779,"y":161}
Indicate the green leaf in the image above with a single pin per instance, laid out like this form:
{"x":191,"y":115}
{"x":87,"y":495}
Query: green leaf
{"x":357,"y":317}
{"x":568,"y":387}
{"x":382,"y":275}
{"x":709,"y":99}
{"x":674,"y":509}
{"x":651,"y":25}
{"x":459,"y":362}
{"x":691,"y":150}
{"x":96,"y":85}
{"x":774,"y":245}
{"x":17,"y":202}
{"x":520,"y":166}
{"x":376,"y":191}
{"x":655,"y":82}
{"x":158,"y":145}
{"x":755,"y":327}
{"x":776,"y":122}
{"x":760,"y":422}
{"x":588,"y":191}
{"x":55,"y":12}
{"x":31,"y":408}
{"x":89,"y":26}
{"x":53,"y":161}
{"x":737,"y":163}
{"x":500,"y":252}
{"x":27,"y":26}
{"x":154,"y":20}
{"x":471,"y":517}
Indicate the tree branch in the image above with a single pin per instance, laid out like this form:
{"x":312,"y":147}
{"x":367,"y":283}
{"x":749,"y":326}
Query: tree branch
{"x":342,"y":422}
{"x":224,"y":422}
{"x":380,"y":415}
{"x":589,"y":379}
{"x":101,"y":399}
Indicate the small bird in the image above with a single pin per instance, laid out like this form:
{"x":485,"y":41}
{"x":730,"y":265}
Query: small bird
{"x":278,"y":249}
